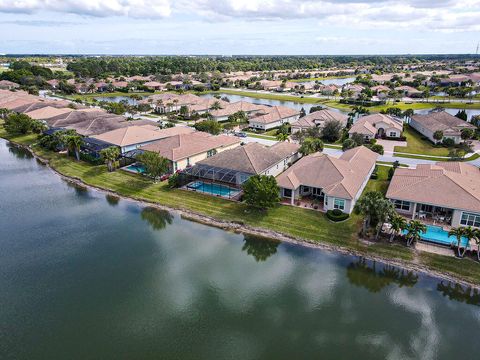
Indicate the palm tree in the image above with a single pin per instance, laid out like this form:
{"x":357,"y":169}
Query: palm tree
{"x":109,"y":156}
{"x":282,"y":137}
{"x":73,"y":143}
{"x":414,"y":230}
{"x":367,"y":205}
{"x":216,"y":106}
{"x":460,"y":233}
{"x":384,"y":211}
{"x":398,"y":223}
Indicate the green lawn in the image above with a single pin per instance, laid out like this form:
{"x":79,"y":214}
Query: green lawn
{"x":301,"y":223}
{"x":381,"y":182}
{"x":415,"y":145}
{"x":465,"y":268}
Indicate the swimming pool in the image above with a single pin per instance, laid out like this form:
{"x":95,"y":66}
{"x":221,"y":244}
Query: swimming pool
{"x":214,"y":189}
{"x":437,"y":235}
{"x":135,"y":168}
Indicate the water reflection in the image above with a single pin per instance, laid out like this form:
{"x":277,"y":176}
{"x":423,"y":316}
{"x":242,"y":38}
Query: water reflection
{"x":260,"y":248}
{"x":18,"y":151}
{"x":459,"y":293}
{"x":112,"y":199}
{"x":365,"y":274}
{"x":79,"y":189}
{"x":157,"y":218}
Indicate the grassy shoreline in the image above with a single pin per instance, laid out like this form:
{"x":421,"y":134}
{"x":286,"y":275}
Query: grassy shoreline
{"x":298,"y":224}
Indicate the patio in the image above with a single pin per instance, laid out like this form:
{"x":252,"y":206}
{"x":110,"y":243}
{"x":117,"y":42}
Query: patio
{"x":434,"y":215}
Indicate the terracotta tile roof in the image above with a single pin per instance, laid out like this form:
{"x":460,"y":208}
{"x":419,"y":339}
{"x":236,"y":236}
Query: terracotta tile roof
{"x":447,"y":184}
{"x":441,"y":120}
{"x":182,"y":146}
{"x":136,"y":134}
{"x":318,"y":118}
{"x":275,"y":113}
{"x":48,"y":112}
{"x":206,"y":104}
{"x":367,"y":125}
{"x":342,"y":177}
{"x":232,"y":108}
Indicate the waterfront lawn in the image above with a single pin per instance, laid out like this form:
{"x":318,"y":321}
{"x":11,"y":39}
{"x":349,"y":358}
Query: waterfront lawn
{"x":466,"y":268}
{"x":416,"y":145}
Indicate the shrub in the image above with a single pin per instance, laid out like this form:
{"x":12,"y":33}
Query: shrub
{"x":174,"y":181}
{"x":337,"y":215}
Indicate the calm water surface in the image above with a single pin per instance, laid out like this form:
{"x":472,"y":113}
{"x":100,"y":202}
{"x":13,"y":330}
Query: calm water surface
{"x":85,"y":276}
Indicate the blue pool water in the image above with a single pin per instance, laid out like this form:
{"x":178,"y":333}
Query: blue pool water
{"x":436,"y":234}
{"x":214,"y":189}
{"x":136,"y":168}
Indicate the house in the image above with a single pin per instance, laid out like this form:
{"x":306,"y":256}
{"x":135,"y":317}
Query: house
{"x":336,"y":183}
{"x":354,"y":89}
{"x":8,"y":85}
{"x":447,"y":192}
{"x":205,"y":105}
{"x":48,"y":112}
{"x":154,"y":85}
{"x":273,"y":117}
{"x":408,"y":91}
{"x":235,"y":166}
{"x":232,"y":108}
{"x":88,"y":122}
{"x":449,"y":125}
{"x":318,"y":119}
{"x":164,"y":103}
{"x":377,"y":125}
{"x":381,"y":91}
{"x":186,"y":150}
{"x":120,"y":84}
{"x":132,"y":137}
{"x":53,"y":83}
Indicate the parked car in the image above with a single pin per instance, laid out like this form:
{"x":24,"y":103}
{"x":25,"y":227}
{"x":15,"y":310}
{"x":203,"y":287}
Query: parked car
{"x":241,"y":134}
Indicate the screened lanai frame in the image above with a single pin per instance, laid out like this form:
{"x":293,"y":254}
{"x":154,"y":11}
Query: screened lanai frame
{"x":208,"y":174}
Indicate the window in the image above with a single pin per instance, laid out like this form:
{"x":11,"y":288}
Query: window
{"x":287,"y":193}
{"x":317,"y":191}
{"x":401,"y":205}
{"x":393,"y":134}
{"x":339,"y":204}
{"x":211,"y":153}
{"x":326,"y":200}
{"x":470,"y":219}
{"x":188,"y":161}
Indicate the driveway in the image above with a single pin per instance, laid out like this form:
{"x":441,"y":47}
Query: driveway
{"x":389,"y":145}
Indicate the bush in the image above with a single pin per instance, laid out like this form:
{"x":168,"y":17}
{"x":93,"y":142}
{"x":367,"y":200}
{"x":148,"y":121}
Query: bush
{"x":174,"y":181}
{"x":91,"y":159}
{"x":337,"y":215}
{"x":448,"y":142}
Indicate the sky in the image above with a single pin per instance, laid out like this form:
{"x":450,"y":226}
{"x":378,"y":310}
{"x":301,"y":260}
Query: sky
{"x":233,"y":27}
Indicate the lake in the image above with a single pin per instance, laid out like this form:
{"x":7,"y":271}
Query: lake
{"x":292,"y":104}
{"x":89,"y":276}
{"x":117,"y":99}
{"x":332,"y":81}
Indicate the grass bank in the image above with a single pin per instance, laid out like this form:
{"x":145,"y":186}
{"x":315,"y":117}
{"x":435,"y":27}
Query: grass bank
{"x":303,"y":224}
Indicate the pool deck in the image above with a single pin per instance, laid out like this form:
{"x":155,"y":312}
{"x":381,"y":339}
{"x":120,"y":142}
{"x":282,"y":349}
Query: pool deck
{"x":434,"y":249}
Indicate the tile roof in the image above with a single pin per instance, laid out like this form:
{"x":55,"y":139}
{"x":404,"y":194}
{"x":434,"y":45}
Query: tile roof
{"x":185,"y":145}
{"x":441,"y":120}
{"x":447,"y":184}
{"x":319,"y":118}
{"x":48,"y":112}
{"x":275,"y":113}
{"x":341,"y":177}
{"x":232,"y":108}
{"x":367,"y":124}
{"x":252,"y":158}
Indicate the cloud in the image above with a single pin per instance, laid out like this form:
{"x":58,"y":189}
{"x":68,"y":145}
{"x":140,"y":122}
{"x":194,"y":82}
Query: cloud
{"x":440,"y":15}
{"x":98,"y":8}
